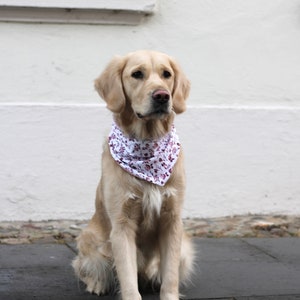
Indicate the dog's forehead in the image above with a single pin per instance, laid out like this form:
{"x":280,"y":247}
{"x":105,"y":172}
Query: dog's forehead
{"x":147,"y":59}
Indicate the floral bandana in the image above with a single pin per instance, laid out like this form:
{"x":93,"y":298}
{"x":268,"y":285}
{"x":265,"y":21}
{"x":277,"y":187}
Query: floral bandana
{"x":150,"y":160}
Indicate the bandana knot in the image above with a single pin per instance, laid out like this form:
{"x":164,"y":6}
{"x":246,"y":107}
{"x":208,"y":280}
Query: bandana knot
{"x":150,"y":160}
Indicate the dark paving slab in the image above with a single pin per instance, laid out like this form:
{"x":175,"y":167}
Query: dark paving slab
{"x":285,"y":297}
{"x":38,"y":272}
{"x":285,"y":249}
{"x":33,"y":256}
{"x":236,"y":269}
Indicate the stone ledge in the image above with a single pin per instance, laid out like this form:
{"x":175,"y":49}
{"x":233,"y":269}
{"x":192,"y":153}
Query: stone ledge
{"x":61,"y":231}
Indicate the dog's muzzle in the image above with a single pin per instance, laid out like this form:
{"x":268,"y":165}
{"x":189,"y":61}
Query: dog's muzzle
{"x":160,"y":105}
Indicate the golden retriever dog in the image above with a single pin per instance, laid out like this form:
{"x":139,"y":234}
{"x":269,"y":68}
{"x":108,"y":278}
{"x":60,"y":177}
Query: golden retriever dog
{"x":136,"y":232}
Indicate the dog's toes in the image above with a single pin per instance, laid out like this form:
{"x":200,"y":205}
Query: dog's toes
{"x":169,"y":296}
{"x":94,"y":287}
{"x":90,"y":288}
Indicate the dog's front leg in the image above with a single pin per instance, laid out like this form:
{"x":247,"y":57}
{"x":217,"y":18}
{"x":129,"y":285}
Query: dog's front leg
{"x":170,"y":247}
{"x":125,"y":257}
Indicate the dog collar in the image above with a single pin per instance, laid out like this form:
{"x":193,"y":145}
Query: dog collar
{"x":150,"y":160}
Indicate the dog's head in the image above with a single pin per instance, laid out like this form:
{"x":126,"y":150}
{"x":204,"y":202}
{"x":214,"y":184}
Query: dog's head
{"x":149,"y":83}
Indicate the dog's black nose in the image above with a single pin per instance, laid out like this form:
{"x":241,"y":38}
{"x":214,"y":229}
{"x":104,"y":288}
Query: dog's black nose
{"x":161,"y":96}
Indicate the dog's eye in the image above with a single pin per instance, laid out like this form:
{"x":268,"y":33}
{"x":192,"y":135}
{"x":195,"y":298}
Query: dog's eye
{"x":137,"y":75}
{"x":166,"y":74}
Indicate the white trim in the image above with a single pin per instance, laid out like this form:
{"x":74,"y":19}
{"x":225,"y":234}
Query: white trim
{"x":127,"y":12}
{"x":189,"y":107}
{"x":51,"y":104}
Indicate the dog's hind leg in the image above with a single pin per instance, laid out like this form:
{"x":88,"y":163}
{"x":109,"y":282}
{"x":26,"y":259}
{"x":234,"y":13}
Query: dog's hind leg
{"x":94,"y":263}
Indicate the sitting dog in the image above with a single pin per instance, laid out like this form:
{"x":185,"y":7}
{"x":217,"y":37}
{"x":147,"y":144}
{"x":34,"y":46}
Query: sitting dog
{"x":136,"y":231}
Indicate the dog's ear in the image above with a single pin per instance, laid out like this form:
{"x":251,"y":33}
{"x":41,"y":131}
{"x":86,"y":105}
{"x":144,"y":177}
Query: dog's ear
{"x":109,"y":85}
{"x":181,"y":88}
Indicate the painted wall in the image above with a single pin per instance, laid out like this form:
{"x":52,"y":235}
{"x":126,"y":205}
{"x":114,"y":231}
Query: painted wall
{"x":241,"y":133}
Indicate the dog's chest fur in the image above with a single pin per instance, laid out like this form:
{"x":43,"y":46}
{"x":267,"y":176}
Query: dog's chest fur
{"x":150,"y":200}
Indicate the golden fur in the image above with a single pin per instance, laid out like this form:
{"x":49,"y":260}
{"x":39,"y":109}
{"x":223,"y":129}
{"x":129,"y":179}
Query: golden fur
{"x":137,"y":229}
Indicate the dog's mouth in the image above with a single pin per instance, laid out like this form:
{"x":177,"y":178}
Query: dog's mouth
{"x":154,"y":114}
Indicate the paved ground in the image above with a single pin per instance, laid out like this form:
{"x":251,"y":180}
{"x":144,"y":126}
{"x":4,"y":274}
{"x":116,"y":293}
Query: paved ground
{"x":227,"y":268}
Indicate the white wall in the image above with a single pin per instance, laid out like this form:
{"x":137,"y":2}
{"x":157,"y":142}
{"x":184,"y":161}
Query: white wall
{"x":241,"y":132}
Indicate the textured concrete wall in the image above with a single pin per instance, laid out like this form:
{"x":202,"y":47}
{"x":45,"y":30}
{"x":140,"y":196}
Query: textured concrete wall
{"x":240,"y":133}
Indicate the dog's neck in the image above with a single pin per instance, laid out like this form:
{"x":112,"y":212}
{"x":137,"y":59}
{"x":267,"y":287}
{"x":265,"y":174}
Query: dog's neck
{"x":143,"y":129}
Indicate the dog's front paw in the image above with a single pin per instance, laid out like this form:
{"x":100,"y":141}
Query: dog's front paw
{"x":131,"y":296}
{"x":168,"y":296}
